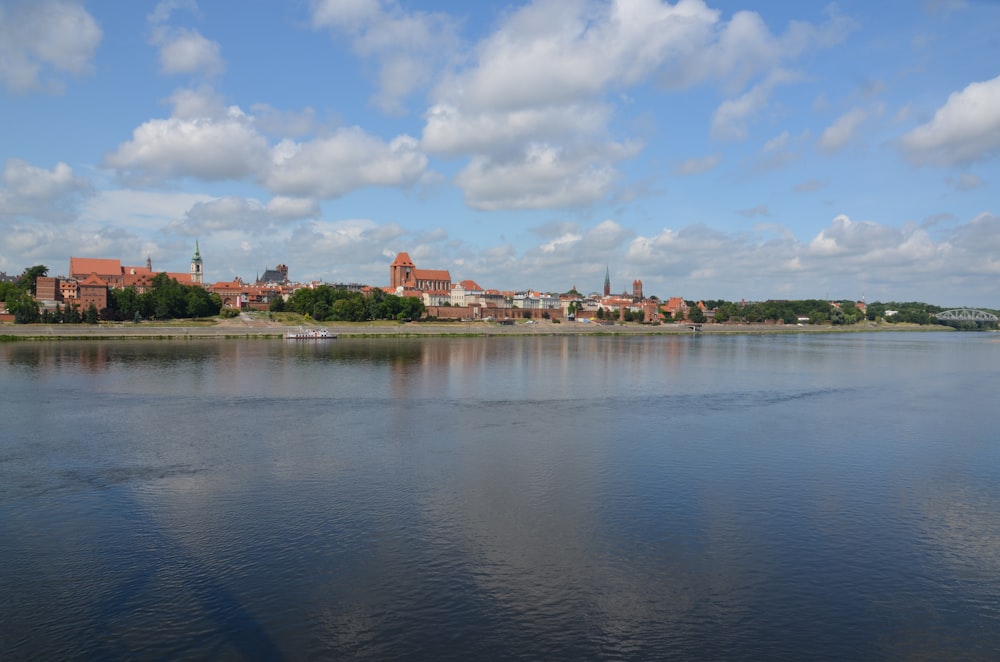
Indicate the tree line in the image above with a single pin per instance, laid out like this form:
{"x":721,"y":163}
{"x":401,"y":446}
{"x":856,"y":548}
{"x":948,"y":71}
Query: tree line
{"x":326,"y":303}
{"x":163,"y":299}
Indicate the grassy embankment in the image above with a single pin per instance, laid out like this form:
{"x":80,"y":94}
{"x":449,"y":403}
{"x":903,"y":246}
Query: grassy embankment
{"x":264,"y":325}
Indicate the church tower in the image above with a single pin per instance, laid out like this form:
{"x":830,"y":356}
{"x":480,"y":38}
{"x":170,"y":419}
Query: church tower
{"x":607,"y":282}
{"x":196,"y":266}
{"x":401,"y":271}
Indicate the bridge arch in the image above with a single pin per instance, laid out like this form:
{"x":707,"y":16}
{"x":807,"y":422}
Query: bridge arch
{"x":966,"y":315}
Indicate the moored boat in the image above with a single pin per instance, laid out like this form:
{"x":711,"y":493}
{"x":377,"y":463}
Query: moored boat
{"x":309,"y":334}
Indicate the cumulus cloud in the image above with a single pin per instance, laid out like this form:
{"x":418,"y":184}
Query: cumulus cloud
{"x":550,"y":52}
{"x":408,"y":45}
{"x":980,"y":236}
{"x":843,"y":259}
{"x":241,"y":214}
{"x":843,"y":130}
{"x":206,"y":140}
{"x":546,"y":74}
{"x":284,"y":123}
{"x":41,"y":40}
{"x":208,"y":148}
{"x":452,"y":130}
{"x":183,"y":50}
{"x":188,"y":52}
{"x":845,"y":237}
{"x":137,"y":209}
{"x":35,"y":243}
{"x":543,"y":177}
{"x":29,"y":193}
{"x":964,"y":130}
{"x":347,"y":159}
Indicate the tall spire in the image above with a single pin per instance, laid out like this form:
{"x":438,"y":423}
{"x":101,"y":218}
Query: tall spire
{"x":607,"y":281}
{"x":196,"y":264}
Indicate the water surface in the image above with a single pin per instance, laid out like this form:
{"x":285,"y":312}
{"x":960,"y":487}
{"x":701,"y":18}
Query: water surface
{"x":738,"y":497}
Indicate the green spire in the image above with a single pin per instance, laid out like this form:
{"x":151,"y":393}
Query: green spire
{"x":197,"y":253}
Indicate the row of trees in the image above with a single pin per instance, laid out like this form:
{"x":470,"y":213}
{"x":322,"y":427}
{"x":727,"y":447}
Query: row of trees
{"x":164,"y":299}
{"x":19,"y":296}
{"x":339,"y":305}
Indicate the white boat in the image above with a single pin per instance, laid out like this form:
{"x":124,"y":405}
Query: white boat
{"x":309,"y":334}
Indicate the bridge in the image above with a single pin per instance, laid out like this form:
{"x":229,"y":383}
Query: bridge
{"x":966,"y":315}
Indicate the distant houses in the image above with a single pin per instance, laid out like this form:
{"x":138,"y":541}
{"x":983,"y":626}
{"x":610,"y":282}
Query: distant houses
{"x":90,"y":280}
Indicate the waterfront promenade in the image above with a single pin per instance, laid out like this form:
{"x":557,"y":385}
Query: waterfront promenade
{"x":255,"y":328}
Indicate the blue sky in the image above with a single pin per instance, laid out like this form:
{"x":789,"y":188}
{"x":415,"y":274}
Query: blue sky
{"x":711,"y":149}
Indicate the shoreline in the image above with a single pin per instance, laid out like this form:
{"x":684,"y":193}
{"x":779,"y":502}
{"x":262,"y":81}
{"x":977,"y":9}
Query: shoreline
{"x":260,"y":329}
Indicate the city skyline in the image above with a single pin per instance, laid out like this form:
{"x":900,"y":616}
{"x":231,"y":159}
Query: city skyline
{"x":715,"y":150}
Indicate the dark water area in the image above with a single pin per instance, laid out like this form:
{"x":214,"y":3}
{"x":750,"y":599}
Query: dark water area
{"x":547,"y":498}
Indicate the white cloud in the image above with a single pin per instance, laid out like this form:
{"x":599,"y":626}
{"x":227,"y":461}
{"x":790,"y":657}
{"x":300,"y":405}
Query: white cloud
{"x":407,"y":45}
{"x":452,"y":130}
{"x":29,"y":193}
{"x":137,"y":209}
{"x":290,"y":209}
{"x":965,"y":130}
{"x":183,"y":50}
{"x":851,"y":238}
{"x":36,"y":243}
{"x":349,"y":158}
{"x":696,"y":166}
{"x":843,"y":130}
{"x":545,"y":74}
{"x":245,"y":215}
{"x":843,"y":260}
{"x":543,"y":177}
{"x":553,"y":52}
{"x":188,"y":52}
{"x":40,"y":40}
{"x":206,"y":140}
{"x":730,"y":120}
{"x":284,"y":123}
{"x":203,"y":147}
{"x":980,"y":236}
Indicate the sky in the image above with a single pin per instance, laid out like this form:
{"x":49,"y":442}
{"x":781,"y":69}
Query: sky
{"x":713,"y":149}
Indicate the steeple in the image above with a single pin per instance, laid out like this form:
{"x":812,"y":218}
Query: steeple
{"x":607,"y":281}
{"x":196,"y":265}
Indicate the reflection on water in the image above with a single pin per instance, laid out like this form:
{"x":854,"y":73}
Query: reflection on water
{"x":784,"y":497}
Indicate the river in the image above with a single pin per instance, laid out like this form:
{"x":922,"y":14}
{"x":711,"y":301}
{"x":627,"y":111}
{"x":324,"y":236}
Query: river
{"x":559,"y":498}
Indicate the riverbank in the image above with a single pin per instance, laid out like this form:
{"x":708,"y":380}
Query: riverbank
{"x":247,"y":327}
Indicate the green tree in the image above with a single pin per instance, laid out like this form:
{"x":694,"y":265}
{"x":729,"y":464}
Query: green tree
{"x":90,"y":315}
{"x":411,"y":308}
{"x":696,"y":315}
{"x":71,"y":314}
{"x":8,"y":291}
{"x":28,"y":279}
{"x":24,"y":308}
